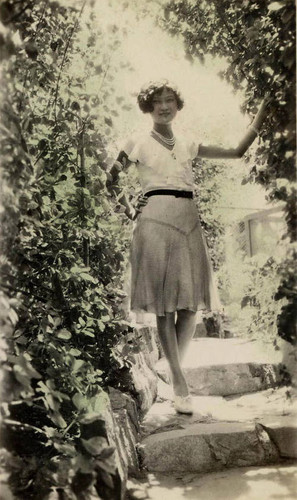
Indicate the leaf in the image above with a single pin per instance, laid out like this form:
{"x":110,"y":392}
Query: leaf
{"x":75,"y":106}
{"x":101,"y":325}
{"x":64,"y":334}
{"x":77,"y":365}
{"x":105,"y":318}
{"x":88,"y":277}
{"x":107,"y":478}
{"x":91,"y":417}
{"x":88,"y":333}
{"x":108,"y":121}
{"x":107,"y":464}
{"x":107,"y":452}
{"x":80,"y":401}
{"x":75,"y":352}
{"x":52,"y":403}
{"x":95,"y":445}
{"x":24,"y":371}
{"x":58,"y":420}
{"x":100,"y":402}
{"x":65,"y":449}
{"x":83,"y":464}
{"x":275,"y":6}
{"x":78,"y":269}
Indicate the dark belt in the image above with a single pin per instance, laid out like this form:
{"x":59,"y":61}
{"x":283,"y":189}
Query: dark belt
{"x":171,"y":192}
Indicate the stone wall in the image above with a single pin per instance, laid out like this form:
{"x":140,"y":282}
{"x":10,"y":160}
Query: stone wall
{"x":124,"y":413}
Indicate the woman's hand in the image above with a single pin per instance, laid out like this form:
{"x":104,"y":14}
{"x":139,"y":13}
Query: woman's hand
{"x":140,"y":204}
{"x":130,"y":211}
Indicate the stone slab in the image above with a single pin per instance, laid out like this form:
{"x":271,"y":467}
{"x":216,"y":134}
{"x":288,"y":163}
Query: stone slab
{"x":245,"y":430}
{"x":284,"y":436}
{"x":208,"y":447}
{"x":228,"y":366}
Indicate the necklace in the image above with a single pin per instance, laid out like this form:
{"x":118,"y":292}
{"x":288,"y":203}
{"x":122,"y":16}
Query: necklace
{"x":169,"y":141}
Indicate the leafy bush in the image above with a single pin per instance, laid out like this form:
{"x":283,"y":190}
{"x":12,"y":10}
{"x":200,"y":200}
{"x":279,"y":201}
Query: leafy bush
{"x":208,"y":179}
{"x":63,"y":241}
{"x":250,"y":287}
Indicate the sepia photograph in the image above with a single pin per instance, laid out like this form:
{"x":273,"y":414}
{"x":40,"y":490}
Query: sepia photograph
{"x":148,"y":258}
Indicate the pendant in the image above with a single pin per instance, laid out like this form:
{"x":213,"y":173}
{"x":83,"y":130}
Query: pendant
{"x":173,"y":155}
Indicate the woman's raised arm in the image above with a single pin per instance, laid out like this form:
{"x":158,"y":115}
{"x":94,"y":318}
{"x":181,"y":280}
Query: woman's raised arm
{"x":247,"y":140}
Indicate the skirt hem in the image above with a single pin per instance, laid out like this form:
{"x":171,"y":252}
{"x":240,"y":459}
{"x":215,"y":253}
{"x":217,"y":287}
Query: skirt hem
{"x":157,"y":313}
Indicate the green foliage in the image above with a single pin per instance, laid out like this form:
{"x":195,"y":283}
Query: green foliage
{"x":264,"y":299}
{"x":257,"y":40}
{"x":63,"y":241}
{"x":208,"y":178}
{"x":250,"y":301}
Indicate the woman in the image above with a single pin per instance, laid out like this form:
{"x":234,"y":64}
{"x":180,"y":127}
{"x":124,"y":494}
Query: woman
{"x":171,"y":269}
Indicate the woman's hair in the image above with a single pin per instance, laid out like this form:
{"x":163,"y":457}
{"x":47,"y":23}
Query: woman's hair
{"x":148,"y":91}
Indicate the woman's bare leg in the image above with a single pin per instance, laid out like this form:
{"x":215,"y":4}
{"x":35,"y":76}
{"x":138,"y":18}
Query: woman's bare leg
{"x":168,"y":338}
{"x":185,"y":328}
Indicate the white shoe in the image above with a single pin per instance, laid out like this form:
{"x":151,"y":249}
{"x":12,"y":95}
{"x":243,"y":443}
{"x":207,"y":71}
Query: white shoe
{"x":183,"y":404}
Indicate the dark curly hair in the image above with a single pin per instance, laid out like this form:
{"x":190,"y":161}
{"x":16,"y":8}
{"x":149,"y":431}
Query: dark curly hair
{"x":148,"y":91}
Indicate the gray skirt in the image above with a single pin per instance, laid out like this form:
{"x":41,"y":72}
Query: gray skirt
{"x":170,"y":265}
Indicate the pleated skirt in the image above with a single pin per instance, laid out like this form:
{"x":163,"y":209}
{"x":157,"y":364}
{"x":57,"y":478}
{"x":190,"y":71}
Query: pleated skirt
{"x":170,"y":265}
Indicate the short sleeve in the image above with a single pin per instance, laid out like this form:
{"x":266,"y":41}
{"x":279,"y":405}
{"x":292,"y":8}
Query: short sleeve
{"x":131,"y":148}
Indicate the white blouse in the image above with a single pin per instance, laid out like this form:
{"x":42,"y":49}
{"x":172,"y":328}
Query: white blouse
{"x":159,"y":167}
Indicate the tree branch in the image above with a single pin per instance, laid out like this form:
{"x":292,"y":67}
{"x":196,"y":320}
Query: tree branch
{"x":64,"y":57}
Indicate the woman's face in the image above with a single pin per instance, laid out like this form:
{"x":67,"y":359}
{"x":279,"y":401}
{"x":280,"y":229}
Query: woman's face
{"x":164,"y":106}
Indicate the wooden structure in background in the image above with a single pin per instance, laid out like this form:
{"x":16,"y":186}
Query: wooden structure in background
{"x":259,"y":232}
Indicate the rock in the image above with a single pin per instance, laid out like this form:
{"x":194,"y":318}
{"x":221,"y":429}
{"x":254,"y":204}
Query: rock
{"x":289,"y":353}
{"x":284,"y":436}
{"x":213,"y":324}
{"x":122,"y":401}
{"x":145,"y":383}
{"x":126,"y":427}
{"x":200,"y":330}
{"x":228,"y":334}
{"x":208,"y":447}
{"x":226,"y":367}
{"x":222,"y":380}
{"x":126,"y":440}
{"x":226,"y":380}
{"x":103,"y":423}
{"x":253,"y":429}
{"x":149,"y":345}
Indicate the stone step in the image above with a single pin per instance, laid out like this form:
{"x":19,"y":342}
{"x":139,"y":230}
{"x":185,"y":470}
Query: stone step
{"x":226,"y":367}
{"x":251,"y":430}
